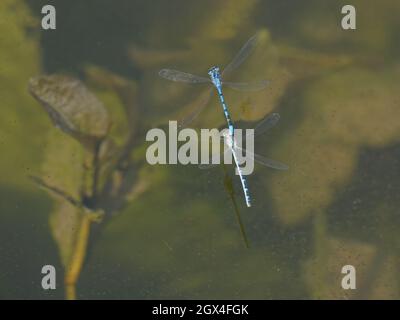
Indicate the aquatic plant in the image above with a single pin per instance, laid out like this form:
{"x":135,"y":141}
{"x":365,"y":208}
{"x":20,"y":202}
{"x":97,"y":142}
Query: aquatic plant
{"x":90,"y":175}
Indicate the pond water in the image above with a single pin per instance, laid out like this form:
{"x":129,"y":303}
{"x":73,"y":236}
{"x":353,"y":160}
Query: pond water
{"x":174,"y":231}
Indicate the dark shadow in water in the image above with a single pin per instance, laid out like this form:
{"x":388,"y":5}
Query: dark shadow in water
{"x":26,"y":246}
{"x":367,"y":209}
{"x":90,"y":31}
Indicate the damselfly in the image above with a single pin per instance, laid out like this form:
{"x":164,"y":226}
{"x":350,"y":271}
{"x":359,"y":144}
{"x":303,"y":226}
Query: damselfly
{"x":216,"y":78}
{"x":233,"y":147}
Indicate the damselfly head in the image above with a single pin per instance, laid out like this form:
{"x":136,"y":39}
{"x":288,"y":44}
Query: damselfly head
{"x":213,"y":72}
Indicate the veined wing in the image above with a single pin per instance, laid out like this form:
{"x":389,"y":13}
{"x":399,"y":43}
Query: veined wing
{"x":183,"y":123}
{"x":265,"y":124}
{"x":265,"y":161}
{"x":247,"y":86}
{"x":179,"y":76}
{"x":241,"y":55}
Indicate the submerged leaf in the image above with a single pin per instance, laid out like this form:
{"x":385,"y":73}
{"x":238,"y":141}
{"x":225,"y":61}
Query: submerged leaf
{"x":71,"y":106}
{"x":65,"y":223}
{"x":63,"y":176}
{"x":54,"y":190}
{"x":62,"y":167}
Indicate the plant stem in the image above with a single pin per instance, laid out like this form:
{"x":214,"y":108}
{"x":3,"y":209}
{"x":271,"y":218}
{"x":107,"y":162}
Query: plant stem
{"x":75,"y":266}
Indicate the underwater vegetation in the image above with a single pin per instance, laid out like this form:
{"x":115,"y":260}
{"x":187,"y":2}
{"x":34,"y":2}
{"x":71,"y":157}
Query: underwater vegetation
{"x":91,"y":176}
{"x":76,"y":105}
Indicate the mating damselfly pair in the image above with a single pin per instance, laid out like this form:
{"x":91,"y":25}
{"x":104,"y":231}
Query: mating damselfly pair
{"x":216,"y":79}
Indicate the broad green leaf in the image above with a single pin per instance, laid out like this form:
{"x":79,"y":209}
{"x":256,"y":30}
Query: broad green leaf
{"x":64,"y":223}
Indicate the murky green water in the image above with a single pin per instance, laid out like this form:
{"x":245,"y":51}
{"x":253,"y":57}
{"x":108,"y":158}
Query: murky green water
{"x":172,"y":231}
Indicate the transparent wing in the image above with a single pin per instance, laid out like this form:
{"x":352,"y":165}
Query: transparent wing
{"x":179,"y":76}
{"x":183,"y":123}
{"x":270,"y":162}
{"x":241,"y":55}
{"x":265,"y":124}
{"x":265,"y":161}
{"x":247,"y":86}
